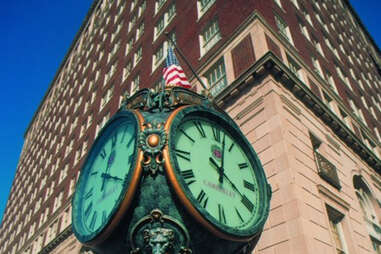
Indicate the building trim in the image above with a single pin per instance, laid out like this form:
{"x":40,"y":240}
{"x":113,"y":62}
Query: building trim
{"x":57,"y":240}
{"x":269,"y":64}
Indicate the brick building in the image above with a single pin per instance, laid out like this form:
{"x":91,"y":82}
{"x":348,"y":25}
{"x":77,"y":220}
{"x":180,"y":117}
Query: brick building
{"x":302,"y":78}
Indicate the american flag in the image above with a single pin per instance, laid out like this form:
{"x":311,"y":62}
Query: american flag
{"x":173,"y":73}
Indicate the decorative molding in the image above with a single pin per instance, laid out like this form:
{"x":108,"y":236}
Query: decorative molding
{"x":57,"y":240}
{"x":332,"y":142}
{"x":290,"y":105}
{"x":283,"y":74}
{"x":377,"y":181}
{"x":249,"y":108}
{"x":44,"y":226}
{"x":334,"y":197}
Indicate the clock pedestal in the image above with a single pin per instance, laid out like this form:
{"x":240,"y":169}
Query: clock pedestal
{"x":158,"y":220}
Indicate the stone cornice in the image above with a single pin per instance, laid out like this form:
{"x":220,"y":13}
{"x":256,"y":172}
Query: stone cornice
{"x":57,"y":240}
{"x":269,"y":64}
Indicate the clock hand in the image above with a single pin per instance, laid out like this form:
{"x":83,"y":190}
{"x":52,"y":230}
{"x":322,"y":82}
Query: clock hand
{"x":110,"y":161}
{"x":226,"y":177}
{"x":108,"y":176}
{"x":233,"y":185}
{"x":221,"y":170}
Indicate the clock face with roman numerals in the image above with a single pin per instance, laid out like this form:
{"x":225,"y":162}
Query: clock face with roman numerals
{"x":105,"y":177}
{"x":219,"y":174}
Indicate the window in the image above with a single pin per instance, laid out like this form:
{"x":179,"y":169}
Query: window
{"x":365,"y":199}
{"x":109,"y":74}
{"x":140,"y":31}
{"x":106,"y":97}
{"x":367,"y":202}
{"x":318,"y":46}
{"x":158,"y":56}
{"x":326,"y":170}
{"x":209,"y":37}
{"x":216,"y":77}
{"x":138,"y":56}
{"x":317,"y":67}
{"x":295,"y":2}
{"x":342,"y":76}
{"x":331,"y":81}
{"x":132,"y":23}
{"x":102,"y":123}
{"x":364,"y":102}
{"x":307,"y":16}
{"x":66,"y":220}
{"x":171,"y":12}
{"x":135,"y":84}
{"x":203,"y":6}
{"x":278,"y":3}
{"x":159,"y":27}
{"x":129,"y":45}
{"x":164,"y":20}
{"x":283,"y":29}
{"x":158,"y":5}
{"x":304,"y":30}
{"x":64,"y":171}
{"x":335,"y":224}
{"x":356,"y":110}
{"x":126,"y":70}
{"x":328,"y":101}
{"x":376,"y":245}
{"x":295,"y":68}
{"x":142,"y":8}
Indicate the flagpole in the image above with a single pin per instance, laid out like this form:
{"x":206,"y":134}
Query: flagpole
{"x":185,"y":60}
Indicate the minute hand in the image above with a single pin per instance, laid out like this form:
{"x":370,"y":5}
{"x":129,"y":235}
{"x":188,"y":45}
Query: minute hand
{"x":223,"y":173}
{"x":232,"y":184}
{"x":221,"y":169}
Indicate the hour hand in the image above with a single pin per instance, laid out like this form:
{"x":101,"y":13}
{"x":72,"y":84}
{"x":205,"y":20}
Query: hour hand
{"x":220,"y":170}
{"x":213,"y":162}
{"x":108,"y":176}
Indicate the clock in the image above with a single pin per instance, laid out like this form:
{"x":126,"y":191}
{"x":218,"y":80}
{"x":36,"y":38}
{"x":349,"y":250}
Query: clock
{"x":108,"y":179}
{"x":216,"y":174}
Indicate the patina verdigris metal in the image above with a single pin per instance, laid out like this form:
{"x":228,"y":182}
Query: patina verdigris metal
{"x":156,"y":222}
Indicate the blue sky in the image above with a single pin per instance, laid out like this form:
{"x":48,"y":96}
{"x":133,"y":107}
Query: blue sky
{"x":35,"y":38}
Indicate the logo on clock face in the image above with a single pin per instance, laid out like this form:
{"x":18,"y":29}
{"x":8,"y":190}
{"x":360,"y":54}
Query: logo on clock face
{"x":216,"y":152}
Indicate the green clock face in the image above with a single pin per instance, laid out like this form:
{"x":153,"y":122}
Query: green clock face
{"x":104,"y":177}
{"x":219,"y":173}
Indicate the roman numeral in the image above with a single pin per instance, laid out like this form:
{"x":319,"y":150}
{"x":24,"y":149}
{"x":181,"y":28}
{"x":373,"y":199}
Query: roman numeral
{"x":186,"y":135}
{"x":221,"y":214}
{"x":104,"y":216}
{"x":103,"y":153}
{"x":125,"y":130}
{"x":114,"y":138}
{"x":93,"y":220}
{"x":183,"y":154}
{"x":200,"y":128}
{"x":130,"y":141}
{"x":231,"y":147}
{"x":247,"y":203}
{"x":243,"y":165}
{"x":238,"y":214}
{"x":88,"y":209}
{"x":202,"y":199}
{"x":188,"y":174}
{"x":89,"y":194}
{"x":249,"y":185}
{"x":216,"y":134}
